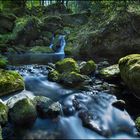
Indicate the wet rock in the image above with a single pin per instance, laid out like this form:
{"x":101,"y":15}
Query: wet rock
{"x":53,"y":76}
{"x":42,"y":105}
{"x":3,"y":113}
{"x":10,"y":81}
{"x":110,"y":73}
{"x":130,"y":72}
{"x":67,"y":65}
{"x":74,"y":79}
{"x":87,"y":121}
{"x":88,"y":67}
{"x":54,"y":110}
{"x":23,"y":113}
{"x":120,"y":104}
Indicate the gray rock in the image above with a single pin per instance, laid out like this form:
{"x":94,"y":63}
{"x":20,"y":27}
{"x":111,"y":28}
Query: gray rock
{"x":42,"y":105}
{"x":23,"y":113}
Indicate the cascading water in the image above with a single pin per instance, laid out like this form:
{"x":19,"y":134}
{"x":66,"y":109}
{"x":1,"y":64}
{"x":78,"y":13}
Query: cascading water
{"x":40,"y":58}
{"x":85,"y":115}
{"x":62,"y":43}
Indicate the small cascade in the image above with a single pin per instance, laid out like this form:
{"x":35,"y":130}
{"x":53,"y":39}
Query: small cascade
{"x":60,"y":44}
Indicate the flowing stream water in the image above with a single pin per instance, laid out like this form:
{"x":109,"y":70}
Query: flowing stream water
{"x":107,"y":121}
{"x":104,"y":120}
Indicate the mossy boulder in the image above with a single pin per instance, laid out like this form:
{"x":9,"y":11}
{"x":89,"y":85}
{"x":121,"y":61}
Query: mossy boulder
{"x":41,"y":49}
{"x":3,"y":62}
{"x":67,"y":65}
{"x":23,"y":113}
{"x":88,"y":67}
{"x":42,"y":105}
{"x":3,"y":113}
{"x":10,"y":81}
{"x":27,"y":29}
{"x":73,"y":78}
{"x":137,"y":123}
{"x":110,"y":73}
{"x":53,"y":76}
{"x":130,"y":72}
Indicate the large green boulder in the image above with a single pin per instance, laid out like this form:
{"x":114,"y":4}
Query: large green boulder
{"x":42,"y":105}
{"x":67,"y":65}
{"x":88,"y":67}
{"x":10,"y":81}
{"x":23,"y":113}
{"x":130,"y":72}
{"x":110,"y":73}
{"x":3,"y":113}
{"x":3,"y":62}
{"x":73,"y":78}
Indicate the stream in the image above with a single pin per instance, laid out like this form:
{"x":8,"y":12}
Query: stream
{"x":106,"y":121}
{"x":84,"y":115}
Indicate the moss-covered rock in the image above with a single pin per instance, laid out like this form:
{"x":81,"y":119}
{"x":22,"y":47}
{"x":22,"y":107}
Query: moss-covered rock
{"x":10,"y":81}
{"x":137,"y":123}
{"x":88,"y":68}
{"x":42,"y":105}
{"x":67,"y":65}
{"x":27,"y":29}
{"x":41,"y":49}
{"x":3,"y":62}
{"x":53,"y":76}
{"x":3,"y":113}
{"x":110,"y":73}
{"x":23,"y":112}
{"x":73,"y":78}
{"x":130,"y":72}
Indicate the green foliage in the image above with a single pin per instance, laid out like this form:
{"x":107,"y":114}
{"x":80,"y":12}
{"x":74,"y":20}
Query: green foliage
{"x":3,"y":62}
{"x":41,"y":49}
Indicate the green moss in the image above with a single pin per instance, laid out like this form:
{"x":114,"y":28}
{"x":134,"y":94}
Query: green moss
{"x":3,"y":114}
{"x":130,"y":71}
{"x":67,"y":65}
{"x":53,"y":76}
{"x":3,"y":62}
{"x":88,"y":68}
{"x":137,"y":122}
{"x":23,"y":112}
{"x":72,"y":78}
{"x":10,"y":81}
{"x":41,"y":49}
{"x":110,"y":72}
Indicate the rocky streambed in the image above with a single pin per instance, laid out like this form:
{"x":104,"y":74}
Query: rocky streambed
{"x":70,"y":100}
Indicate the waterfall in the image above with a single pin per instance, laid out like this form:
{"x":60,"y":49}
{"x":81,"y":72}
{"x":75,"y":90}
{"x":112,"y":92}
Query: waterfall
{"x":62,"y":43}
